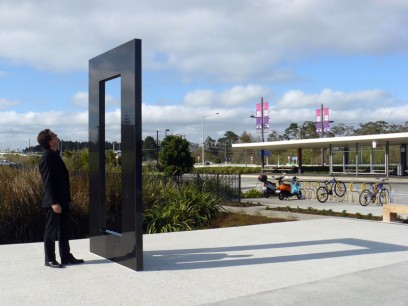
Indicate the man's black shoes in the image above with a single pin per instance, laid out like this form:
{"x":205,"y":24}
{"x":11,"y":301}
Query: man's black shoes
{"x":53,"y":264}
{"x":69,"y":261}
{"x":72,"y":260}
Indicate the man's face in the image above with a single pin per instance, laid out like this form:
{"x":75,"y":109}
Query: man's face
{"x":54,"y":141}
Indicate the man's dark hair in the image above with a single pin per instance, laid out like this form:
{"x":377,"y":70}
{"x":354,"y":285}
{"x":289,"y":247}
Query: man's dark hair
{"x":44,"y":137}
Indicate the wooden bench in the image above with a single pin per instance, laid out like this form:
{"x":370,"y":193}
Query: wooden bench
{"x":390,"y":211}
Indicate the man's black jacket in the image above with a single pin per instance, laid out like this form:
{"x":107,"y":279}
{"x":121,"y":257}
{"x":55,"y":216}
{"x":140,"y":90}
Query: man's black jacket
{"x":55,"y":179}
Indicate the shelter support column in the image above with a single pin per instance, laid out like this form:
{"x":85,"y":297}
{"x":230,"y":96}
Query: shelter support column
{"x":345,"y":159}
{"x":299,"y":158}
{"x":356,"y":159}
{"x":403,"y":158}
{"x":330,"y":159}
{"x":387,"y":160}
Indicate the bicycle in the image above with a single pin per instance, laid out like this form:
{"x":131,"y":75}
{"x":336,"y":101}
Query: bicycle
{"x":323,"y":192}
{"x":370,"y":196}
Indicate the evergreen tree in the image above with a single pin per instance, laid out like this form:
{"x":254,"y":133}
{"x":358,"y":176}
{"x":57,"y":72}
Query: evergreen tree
{"x":149,"y":148}
{"x":175,"y":155}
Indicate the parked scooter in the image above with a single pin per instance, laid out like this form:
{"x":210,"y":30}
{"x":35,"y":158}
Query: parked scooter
{"x":268,"y":188}
{"x":285,"y":190}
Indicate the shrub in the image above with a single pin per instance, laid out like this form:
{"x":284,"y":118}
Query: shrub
{"x":182,"y":209}
{"x":168,"y":205}
{"x":252,"y":193}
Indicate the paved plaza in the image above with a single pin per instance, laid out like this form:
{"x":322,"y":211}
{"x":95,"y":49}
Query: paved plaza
{"x":317,"y":261}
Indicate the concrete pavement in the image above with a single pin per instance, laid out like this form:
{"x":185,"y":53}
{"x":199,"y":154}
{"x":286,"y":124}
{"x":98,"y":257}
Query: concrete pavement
{"x":321,"y":261}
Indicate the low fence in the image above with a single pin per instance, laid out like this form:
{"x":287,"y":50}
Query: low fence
{"x":226,"y":186}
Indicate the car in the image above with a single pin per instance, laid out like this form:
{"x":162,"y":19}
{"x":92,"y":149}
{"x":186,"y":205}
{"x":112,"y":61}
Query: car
{"x":4,"y":162}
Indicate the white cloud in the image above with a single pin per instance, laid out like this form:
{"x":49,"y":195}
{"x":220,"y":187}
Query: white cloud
{"x":80,"y":99}
{"x":188,"y":119}
{"x":200,"y":97}
{"x":200,"y":39}
{"x":4,"y":103}
{"x":244,"y":47}
{"x":19,"y":128}
{"x":235,"y":96}
{"x":240,"y":95}
{"x":334,"y":99}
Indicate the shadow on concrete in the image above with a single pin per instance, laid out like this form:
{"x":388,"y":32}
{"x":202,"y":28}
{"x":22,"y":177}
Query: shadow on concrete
{"x":185,"y":259}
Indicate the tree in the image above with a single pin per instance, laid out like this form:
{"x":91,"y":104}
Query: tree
{"x":244,"y":155}
{"x":292,"y":132}
{"x":372,"y":128}
{"x":231,"y":137}
{"x":342,"y":130}
{"x":273,"y":136}
{"x":398,"y":128}
{"x":211,"y":149}
{"x":149,"y":148}
{"x":224,"y":144}
{"x":176,"y":156}
{"x":308,"y":130}
{"x":245,"y":137}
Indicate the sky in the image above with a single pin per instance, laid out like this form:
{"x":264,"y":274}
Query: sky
{"x":200,"y":58}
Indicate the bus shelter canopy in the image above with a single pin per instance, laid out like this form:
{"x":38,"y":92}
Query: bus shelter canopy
{"x":347,"y":141}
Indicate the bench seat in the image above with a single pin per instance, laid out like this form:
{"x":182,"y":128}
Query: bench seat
{"x":391,"y":210}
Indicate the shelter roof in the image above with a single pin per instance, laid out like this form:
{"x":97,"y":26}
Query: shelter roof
{"x":365,"y":140}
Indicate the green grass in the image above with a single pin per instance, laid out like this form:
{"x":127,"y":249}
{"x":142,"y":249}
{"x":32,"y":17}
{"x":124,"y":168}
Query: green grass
{"x":324,"y":212}
{"x":227,"y":219}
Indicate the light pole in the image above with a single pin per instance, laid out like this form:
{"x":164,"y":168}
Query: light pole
{"x":202,"y":130}
{"x":165,"y":132}
{"x":262,"y":134}
{"x":322,"y":130}
{"x":157,"y":146}
{"x":225,"y":151}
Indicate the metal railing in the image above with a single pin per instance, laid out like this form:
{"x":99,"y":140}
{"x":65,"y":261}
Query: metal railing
{"x":226,"y":186}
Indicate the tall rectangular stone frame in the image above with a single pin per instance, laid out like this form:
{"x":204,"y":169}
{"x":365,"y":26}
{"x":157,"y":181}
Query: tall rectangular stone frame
{"x":125,"y":248}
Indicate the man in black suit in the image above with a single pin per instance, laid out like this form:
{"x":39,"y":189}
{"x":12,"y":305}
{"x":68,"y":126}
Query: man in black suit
{"x":55,"y":201}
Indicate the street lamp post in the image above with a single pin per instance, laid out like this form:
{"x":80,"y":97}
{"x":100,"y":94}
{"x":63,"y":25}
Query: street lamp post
{"x":263,"y":138}
{"x":202,"y":130}
{"x":157,"y":146}
{"x":262,"y":134}
{"x":322,"y":130}
{"x":157,"y":143}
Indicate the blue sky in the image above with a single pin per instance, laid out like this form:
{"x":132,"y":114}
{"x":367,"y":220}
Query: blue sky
{"x":203,"y":57}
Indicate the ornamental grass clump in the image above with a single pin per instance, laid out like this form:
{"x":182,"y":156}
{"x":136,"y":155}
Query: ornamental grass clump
{"x":20,"y":215}
{"x":182,"y":209}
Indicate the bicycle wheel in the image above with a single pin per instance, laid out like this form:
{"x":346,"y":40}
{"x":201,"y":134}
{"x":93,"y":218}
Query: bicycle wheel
{"x":383,"y":196}
{"x":340,"y":188}
{"x":365,"y":197}
{"x":322,"y":194}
